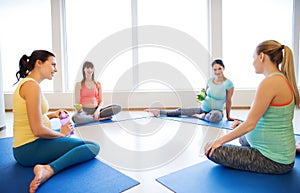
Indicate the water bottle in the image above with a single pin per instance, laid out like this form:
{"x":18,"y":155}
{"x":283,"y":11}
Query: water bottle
{"x":201,"y":95}
{"x":78,"y":107}
{"x":64,"y":118}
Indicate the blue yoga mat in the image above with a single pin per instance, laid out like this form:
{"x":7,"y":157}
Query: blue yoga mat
{"x":114,"y":119}
{"x":224,"y":124}
{"x":94,"y":123}
{"x":92,"y":176}
{"x":208,"y":177}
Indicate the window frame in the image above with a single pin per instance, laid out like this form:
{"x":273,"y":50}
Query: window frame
{"x":242,"y":97}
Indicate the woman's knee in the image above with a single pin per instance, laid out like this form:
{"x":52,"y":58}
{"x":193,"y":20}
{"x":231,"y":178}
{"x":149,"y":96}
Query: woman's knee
{"x":214,"y":116}
{"x":76,"y":117}
{"x":82,"y":118}
{"x":94,"y":147}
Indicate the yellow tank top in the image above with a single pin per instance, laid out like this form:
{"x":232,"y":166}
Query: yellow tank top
{"x":21,"y":128}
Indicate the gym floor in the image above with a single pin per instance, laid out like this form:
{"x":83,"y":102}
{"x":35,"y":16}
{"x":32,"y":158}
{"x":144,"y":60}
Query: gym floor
{"x":145,"y":147}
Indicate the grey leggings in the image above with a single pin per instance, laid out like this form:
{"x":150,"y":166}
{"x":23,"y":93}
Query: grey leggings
{"x":212,"y":116}
{"x":247,"y":158}
{"x":86,"y":116}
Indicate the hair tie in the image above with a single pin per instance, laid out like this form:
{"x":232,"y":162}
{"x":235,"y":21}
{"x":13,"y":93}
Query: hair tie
{"x":282,"y":47}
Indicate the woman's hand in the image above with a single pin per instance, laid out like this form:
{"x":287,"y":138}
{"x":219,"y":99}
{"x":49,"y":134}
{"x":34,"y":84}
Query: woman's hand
{"x":231,"y":119}
{"x":236,"y":123}
{"x":96,"y":115}
{"x":67,"y":129}
{"x":211,"y":146}
{"x":57,"y":113}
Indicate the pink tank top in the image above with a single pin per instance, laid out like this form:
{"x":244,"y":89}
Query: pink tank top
{"x":89,"y":95}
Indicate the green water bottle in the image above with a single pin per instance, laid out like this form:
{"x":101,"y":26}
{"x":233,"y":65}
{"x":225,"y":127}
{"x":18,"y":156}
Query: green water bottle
{"x":201,"y":95}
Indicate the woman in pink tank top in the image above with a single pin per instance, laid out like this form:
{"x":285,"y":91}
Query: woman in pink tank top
{"x":88,"y":95}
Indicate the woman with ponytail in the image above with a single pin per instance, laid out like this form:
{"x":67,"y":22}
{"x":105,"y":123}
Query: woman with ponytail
{"x":36,"y":144}
{"x":267,"y":135}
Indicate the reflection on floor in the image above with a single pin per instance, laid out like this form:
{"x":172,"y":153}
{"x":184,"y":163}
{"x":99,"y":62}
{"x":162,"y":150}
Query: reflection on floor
{"x":145,"y":148}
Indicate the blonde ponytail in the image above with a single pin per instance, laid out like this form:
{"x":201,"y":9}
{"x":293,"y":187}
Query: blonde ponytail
{"x":281,"y":54}
{"x":287,"y":68}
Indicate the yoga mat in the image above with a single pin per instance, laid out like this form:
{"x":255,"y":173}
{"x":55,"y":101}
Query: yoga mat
{"x":94,"y":123}
{"x":130,"y":115}
{"x":208,"y":177}
{"x":122,"y":116}
{"x":224,"y":124}
{"x":92,"y":176}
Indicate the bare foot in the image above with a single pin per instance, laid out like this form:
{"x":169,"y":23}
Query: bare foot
{"x":155,"y":112}
{"x":104,"y":118}
{"x":42,"y":173}
{"x":200,"y":116}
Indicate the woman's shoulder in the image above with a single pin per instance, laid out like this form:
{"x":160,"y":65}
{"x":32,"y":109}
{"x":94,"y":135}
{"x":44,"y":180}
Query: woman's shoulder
{"x":275,"y":80}
{"x":210,"y":80}
{"x":98,"y":84}
{"x":228,"y":80}
{"x":229,"y":84}
{"x":28,"y":87}
{"x":78,"y":85}
{"x":29,"y":82}
{"x":268,"y":83}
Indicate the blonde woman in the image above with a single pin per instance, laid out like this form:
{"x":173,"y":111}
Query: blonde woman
{"x":269,"y":142}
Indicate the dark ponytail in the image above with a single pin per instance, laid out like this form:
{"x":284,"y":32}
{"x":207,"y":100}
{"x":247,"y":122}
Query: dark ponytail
{"x":27,"y":63}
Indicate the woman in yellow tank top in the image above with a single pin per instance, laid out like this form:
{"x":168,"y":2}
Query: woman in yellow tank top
{"x":35,"y":142}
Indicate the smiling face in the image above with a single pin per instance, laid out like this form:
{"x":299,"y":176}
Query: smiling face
{"x":218,"y":70}
{"x":89,"y":71}
{"x":49,"y":68}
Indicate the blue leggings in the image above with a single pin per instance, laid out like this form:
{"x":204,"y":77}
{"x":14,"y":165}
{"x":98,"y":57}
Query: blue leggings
{"x":59,"y":153}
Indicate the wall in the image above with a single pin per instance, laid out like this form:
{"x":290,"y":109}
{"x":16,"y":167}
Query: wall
{"x":138,"y":100}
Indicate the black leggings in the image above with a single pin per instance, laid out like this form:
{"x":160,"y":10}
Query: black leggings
{"x":249,"y":159}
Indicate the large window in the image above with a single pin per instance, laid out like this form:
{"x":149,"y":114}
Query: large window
{"x":167,"y":40}
{"x":25,"y":26}
{"x":246,"y":24}
{"x":176,"y":45}
{"x":128,"y":58}
{"x":93,"y":28}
